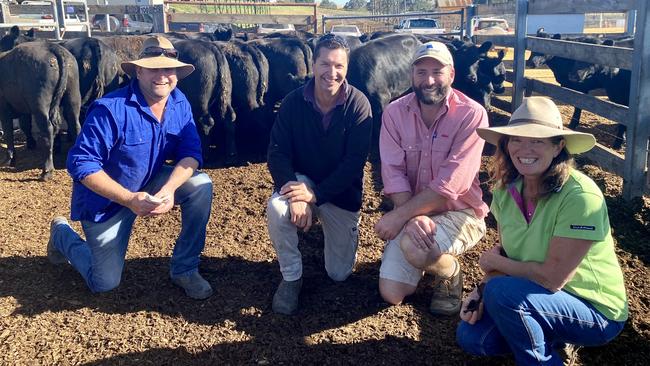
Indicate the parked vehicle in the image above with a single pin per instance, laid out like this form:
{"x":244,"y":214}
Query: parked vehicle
{"x":419,"y":26}
{"x":490,"y":26}
{"x":73,"y":22}
{"x":193,"y":27}
{"x":273,"y":28}
{"x":346,"y":30}
{"x":124,"y":23}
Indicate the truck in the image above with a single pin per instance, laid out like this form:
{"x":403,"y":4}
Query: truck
{"x":419,"y":26}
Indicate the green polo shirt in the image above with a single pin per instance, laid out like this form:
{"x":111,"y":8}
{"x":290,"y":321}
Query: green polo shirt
{"x":577,"y":211}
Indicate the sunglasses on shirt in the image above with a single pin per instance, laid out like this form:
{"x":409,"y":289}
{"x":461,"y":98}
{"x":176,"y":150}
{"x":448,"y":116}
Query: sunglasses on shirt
{"x":159,"y":51}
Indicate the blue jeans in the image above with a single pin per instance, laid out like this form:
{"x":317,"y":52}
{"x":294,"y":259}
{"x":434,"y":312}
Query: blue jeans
{"x":100,"y":258}
{"x":528,"y":320}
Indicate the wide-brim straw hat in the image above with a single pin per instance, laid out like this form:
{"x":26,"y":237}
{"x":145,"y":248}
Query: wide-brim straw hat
{"x":539,"y":117}
{"x":158,"y":60}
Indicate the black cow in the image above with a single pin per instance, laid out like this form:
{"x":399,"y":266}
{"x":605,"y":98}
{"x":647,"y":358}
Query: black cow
{"x":99,"y":67}
{"x":14,"y":38}
{"x":381,"y":69}
{"x":290,"y":65}
{"x":53,"y":80}
{"x":249,"y":69}
{"x":584,"y":77}
{"x":209,"y":91}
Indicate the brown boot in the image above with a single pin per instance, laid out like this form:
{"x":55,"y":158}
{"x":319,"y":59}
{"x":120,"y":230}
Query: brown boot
{"x":447,"y":294}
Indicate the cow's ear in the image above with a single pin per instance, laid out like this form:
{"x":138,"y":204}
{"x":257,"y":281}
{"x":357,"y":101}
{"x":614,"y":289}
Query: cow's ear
{"x":557,"y":36}
{"x":485,"y":46}
{"x":501,"y":54}
{"x":14,"y":31}
{"x":31,"y":33}
{"x":608,"y":42}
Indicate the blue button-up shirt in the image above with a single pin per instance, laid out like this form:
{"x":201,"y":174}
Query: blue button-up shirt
{"x":122,"y":137}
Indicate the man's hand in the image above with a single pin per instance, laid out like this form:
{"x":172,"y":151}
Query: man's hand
{"x":167,"y":198}
{"x":143,"y":204}
{"x":389,"y":226}
{"x":422,"y":231}
{"x":301,"y":215}
{"x":295,"y":191}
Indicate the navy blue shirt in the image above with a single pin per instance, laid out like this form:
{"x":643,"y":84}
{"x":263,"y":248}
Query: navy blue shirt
{"x":122,"y":137}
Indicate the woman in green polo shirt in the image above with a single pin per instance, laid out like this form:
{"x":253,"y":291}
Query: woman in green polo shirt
{"x":554,"y":279}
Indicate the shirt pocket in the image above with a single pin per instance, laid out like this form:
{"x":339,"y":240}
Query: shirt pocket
{"x":413,"y":154}
{"x":135,"y":153}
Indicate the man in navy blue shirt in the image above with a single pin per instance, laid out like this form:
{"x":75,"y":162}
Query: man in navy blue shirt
{"x":117,"y":165}
{"x":318,"y":148}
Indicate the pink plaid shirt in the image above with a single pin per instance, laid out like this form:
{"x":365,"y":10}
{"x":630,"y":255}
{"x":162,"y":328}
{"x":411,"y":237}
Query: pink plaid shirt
{"x":445,"y":158}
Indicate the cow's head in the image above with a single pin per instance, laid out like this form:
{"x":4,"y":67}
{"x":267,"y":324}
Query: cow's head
{"x":14,"y":38}
{"x":492,"y":73}
{"x":466,"y":60}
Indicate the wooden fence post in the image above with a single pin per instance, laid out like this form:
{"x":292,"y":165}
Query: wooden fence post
{"x":636,"y":153}
{"x":520,"y":53}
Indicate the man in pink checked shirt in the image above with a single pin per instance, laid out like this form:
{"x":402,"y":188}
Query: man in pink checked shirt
{"x":430,"y":158}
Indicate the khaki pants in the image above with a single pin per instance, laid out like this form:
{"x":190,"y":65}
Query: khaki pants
{"x":340,"y":228}
{"x":456,"y":232}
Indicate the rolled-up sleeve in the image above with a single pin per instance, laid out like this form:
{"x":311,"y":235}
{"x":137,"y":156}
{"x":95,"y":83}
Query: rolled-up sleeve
{"x":393,"y":160}
{"x":93,"y":144}
{"x":457,"y":174}
{"x":190,"y":142}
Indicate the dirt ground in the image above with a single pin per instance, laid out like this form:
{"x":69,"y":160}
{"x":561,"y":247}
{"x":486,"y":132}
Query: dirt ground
{"x":47,"y":316}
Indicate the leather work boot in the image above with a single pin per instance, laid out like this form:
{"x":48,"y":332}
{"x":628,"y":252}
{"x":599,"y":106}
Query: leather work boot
{"x":447,"y":294}
{"x":194,"y":285}
{"x":285,"y":299}
{"x":53,"y":254}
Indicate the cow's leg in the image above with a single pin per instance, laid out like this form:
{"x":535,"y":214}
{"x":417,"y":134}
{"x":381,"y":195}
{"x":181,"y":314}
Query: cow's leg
{"x":71,"y":108}
{"x":575,"y":119}
{"x":25,"y":122}
{"x":47,"y":132}
{"x":620,"y":137}
{"x":8,"y":127}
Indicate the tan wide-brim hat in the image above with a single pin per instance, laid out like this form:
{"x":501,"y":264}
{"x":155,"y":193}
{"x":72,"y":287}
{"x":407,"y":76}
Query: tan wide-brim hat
{"x":539,"y":117}
{"x":157,"y":60}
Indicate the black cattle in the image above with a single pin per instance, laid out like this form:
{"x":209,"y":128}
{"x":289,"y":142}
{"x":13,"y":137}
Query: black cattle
{"x":14,"y":38}
{"x":290,"y":65}
{"x":381,"y":69}
{"x":220,"y":34}
{"x":577,"y":75}
{"x":491,"y":75}
{"x":98,"y":65}
{"x":52,"y":77}
{"x":584,"y":77}
{"x":209,"y":91}
{"x":249,"y":69}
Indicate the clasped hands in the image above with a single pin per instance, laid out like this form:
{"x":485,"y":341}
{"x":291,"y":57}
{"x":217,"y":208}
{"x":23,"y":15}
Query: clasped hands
{"x":420,"y":229}
{"x":143,"y":204}
{"x":300,"y":197}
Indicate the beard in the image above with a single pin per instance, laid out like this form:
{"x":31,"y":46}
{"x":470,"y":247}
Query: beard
{"x":436,"y":96}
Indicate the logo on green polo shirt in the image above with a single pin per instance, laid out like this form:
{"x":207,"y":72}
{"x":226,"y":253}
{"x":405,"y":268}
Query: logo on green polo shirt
{"x":583,"y":227}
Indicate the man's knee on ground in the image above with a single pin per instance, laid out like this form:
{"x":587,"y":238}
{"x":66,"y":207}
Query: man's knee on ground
{"x":394,"y":292}
{"x":415,"y":256}
{"x":105,"y":284}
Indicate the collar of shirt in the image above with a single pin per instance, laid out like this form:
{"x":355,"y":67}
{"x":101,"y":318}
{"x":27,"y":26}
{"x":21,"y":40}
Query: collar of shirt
{"x":135,"y":96}
{"x":309,"y":93}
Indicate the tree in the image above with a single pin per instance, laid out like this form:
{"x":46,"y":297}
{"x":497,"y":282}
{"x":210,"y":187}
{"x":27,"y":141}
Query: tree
{"x":327,"y":4}
{"x":355,"y":4}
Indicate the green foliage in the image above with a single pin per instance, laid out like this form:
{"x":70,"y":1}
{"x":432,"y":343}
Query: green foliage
{"x":327,"y":4}
{"x":355,"y":4}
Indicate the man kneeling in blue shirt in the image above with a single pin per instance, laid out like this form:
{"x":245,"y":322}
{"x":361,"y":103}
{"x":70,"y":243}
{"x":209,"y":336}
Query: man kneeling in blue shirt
{"x":117,"y":165}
